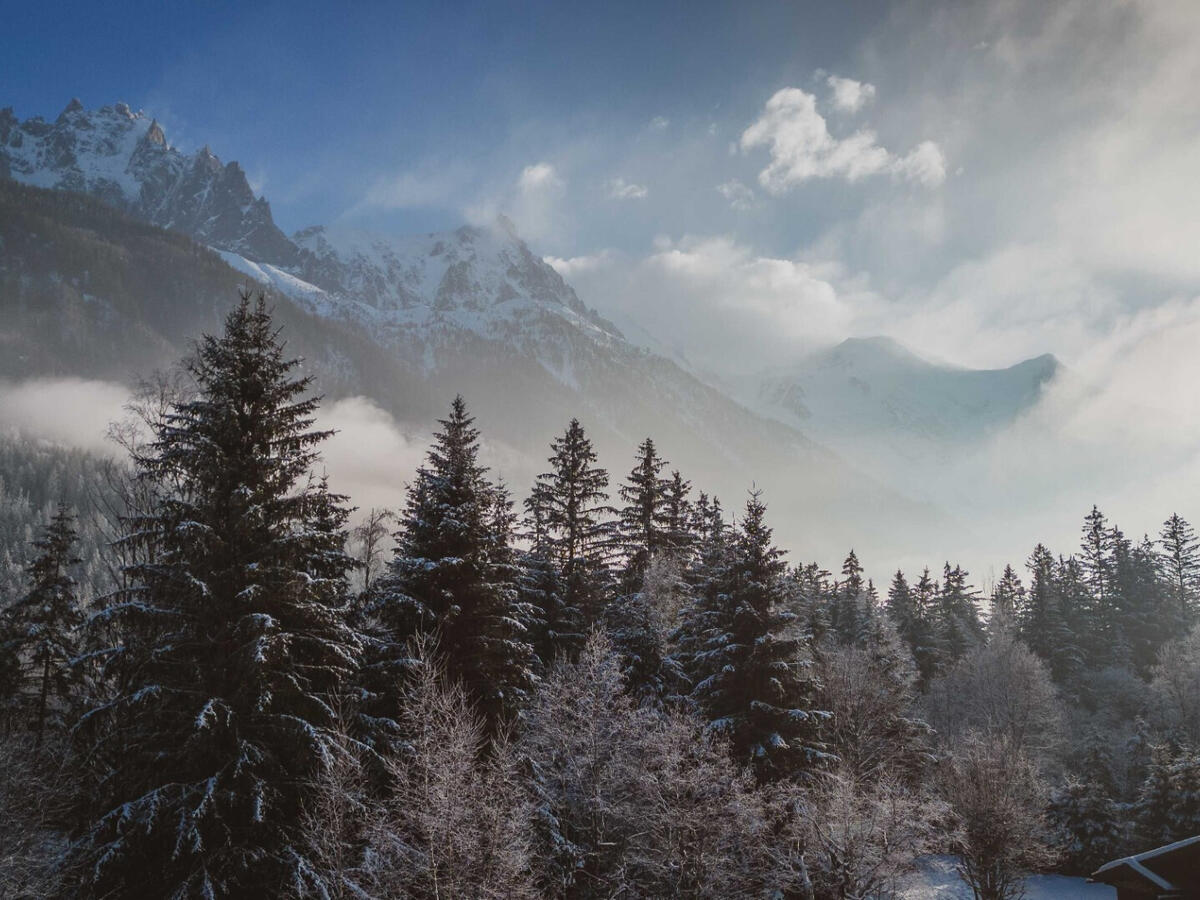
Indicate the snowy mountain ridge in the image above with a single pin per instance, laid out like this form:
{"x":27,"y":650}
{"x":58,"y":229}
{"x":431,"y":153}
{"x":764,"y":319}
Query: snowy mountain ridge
{"x":472,"y":311}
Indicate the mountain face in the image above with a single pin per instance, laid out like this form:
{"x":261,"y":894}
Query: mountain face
{"x":407,"y":322}
{"x":123,"y":158}
{"x":872,"y":398}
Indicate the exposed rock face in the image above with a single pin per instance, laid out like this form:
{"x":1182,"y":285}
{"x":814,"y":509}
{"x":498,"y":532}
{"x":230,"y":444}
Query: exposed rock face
{"x":124,"y":158}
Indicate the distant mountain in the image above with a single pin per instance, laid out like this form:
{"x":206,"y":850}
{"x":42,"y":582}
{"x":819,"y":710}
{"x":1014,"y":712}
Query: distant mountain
{"x":407,"y":321}
{"x":883,"y":406}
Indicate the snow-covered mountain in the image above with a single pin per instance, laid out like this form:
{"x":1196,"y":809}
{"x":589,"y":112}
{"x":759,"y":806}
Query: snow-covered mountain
{"x":123,"y":158}
{"x":410,"y":321}
{"x":883,"y":406}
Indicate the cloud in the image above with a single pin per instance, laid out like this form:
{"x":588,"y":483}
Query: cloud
{"x":660,"y":123}
{"x":724,"y":307}
{"x":370,"y":457}
{"x":739,"y":196}
{"x":579,"y":265}
{"x":848,"y":95}
{"x":535,"y":201}
{"x":71,"y":411}
{"x":620,"y":189}
{"x":538,"y":178}
{"x":802,"y":148}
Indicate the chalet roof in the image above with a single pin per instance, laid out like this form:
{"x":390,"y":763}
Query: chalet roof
{"x":1164,"y":870}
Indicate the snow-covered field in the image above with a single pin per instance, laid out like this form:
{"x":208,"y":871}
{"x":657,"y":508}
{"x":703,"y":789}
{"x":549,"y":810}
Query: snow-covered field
{"x":937,"y":880}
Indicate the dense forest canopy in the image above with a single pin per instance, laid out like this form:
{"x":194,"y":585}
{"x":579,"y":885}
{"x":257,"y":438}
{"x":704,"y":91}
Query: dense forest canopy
{"x":213,"y":685}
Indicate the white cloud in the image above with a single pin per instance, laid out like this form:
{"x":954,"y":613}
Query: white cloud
{"x":71,"y":411}
{"x":848,"y":95}
{"x":739,"y":196}
{"x":577,"y":265}
{"x":802,"y":148}
{"x":727,"y":308}
{"x":660,"y":123}
{"x":370,"y":457}
{"x":620,"y":189}
{"x":539,"y":177}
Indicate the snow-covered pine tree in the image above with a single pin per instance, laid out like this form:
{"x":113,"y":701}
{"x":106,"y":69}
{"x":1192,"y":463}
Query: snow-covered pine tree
{"x":1179,"y":562}
{"x":957,"y":616}
{"x":811,"y":598}
{"x":237,"y":649}
{"x":553,"y":627}
{"x":759,"y":690}
{"x":1088,"y":822}
{"x":1008,"y":596}
{"x":571,"y":501}
{"x":39,"y":634}
{"x":642,"y":523}
{"x":929,"y":649}
{"x":846,"y":611}
{"x":679,"y":537}
{"x":454,"y":574}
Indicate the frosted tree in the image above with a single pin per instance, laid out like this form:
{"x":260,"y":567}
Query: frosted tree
{"x":1179,"y":555}
{"x":757,"y":687}
{"x":234,"y":651}
{"x":455,"y":576}
{"x":1007,"y":597}
{"x":631,"y":802}
{"x":39,"y":634}
{"x":453,"y":823}
{"x":957,"y":616}
{"x":643,"y":521}
{"x":847,"y":613}
{"x":998,"y":801}
{"x":568,"y":508}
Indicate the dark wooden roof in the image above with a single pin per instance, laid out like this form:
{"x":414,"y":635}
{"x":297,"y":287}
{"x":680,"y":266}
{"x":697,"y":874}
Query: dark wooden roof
{"x":1170,"y":871}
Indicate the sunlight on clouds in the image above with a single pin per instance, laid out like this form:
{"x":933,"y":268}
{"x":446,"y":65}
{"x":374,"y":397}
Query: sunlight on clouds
{"x":802,"y":148}
{"x":849,"y":95}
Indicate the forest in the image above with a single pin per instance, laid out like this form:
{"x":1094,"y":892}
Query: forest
{"x":219,"y":680}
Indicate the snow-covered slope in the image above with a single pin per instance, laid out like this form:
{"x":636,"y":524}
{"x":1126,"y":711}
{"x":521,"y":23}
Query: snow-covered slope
{"x":875,"y":390}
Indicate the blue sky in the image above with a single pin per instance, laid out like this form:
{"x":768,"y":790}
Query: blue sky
{"x":984,"y":180}
{"x":316,"y":100}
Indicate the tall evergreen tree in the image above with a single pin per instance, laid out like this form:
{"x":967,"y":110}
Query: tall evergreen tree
{"x":234,"y":650}
{"x":454,"y":574}
{"x":957,"y":616}
{"x":678,"y":537}
{"x":642,"y":523}
{"x":847,"y":614}
{"x":757,"y":688}
{"x":1007,"y":597}
{"x":571,"y":503}
{"x":39,"y":634}
{"x":929,"y":650}
{"x":1179,"y":559}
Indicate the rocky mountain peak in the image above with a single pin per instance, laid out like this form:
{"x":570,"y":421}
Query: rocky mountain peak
{"x":124,"y":158}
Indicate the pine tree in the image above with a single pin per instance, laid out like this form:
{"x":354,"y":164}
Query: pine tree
{"x":1179,"y":559}
{"x":454,"y":574}
{"x":234,"y":651}
{"x":846,"y":613}
{"x":39,"y":634}
{"x":1007,"y":598}
{"x":678,"y":537}
{"x":957,"y":615}
{"x":929,"y":651}
{"x":642,"y":523}
{"x":569,"y":503}
{"x":758,"y":690}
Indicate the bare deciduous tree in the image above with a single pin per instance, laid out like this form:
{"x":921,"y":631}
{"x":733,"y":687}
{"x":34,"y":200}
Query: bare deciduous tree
{"x":1001,"y":689}
{"x":998,"y":800}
